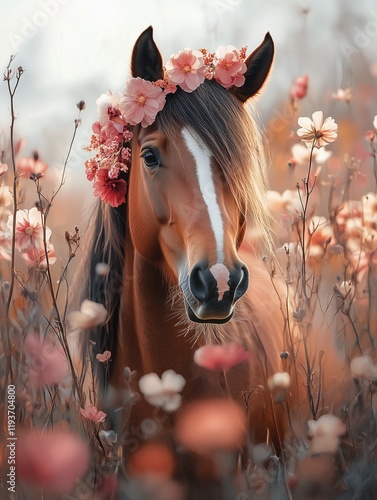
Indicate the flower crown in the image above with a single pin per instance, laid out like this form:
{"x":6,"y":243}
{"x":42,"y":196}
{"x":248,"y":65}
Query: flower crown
{"x":140,"y":103}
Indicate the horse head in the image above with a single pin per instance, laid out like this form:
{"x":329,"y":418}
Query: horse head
{"x":196,"y":177}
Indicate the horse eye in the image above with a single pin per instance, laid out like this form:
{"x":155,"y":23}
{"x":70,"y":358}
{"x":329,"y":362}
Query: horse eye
{"x":151,"y":158}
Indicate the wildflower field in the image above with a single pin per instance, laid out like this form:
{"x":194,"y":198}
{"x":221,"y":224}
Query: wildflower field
{"x":65,"y":434}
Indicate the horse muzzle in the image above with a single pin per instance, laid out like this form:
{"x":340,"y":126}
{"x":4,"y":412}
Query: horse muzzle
{"x":213,"y":291}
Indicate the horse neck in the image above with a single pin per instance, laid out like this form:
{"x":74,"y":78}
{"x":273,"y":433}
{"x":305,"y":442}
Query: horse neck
{"x":148,"y":338}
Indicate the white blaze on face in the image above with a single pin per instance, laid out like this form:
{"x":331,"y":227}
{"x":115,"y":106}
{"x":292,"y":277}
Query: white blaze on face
{"x":202,"y":157}
{"x":221,"y":275}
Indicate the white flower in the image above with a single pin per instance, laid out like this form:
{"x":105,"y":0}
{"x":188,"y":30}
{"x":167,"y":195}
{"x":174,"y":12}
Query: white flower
{"x":301,"y":154}
{"x":327,"y":425}
{"x":325,"y":433}
{"x":163,"y":392}
{"x":363,"y":367}
{"x":102,"y":269}
{"x":375,"y":122}
{"x":104,"y":102}
{"x":279,"y":380}
{"x":344,"y":95}
{"x":91,"y":314}
{"x":317,"y":132}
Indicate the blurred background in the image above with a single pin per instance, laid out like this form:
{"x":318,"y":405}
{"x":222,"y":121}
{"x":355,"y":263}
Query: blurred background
{"x":77,"y":49}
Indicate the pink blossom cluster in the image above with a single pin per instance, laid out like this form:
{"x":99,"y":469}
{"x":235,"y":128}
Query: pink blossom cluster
{"x":111,"y":141}
{"x":189,"y":68}
{"x":140,"y":103}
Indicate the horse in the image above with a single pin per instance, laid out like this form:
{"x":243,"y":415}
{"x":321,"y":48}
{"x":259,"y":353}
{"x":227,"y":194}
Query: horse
{"x":181,"y":274}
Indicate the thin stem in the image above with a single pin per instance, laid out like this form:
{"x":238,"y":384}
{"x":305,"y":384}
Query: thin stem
{"x":8,"y":77}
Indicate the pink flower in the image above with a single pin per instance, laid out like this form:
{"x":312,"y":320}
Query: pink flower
{"x":47,"y":363}
{"x":111,"y":191}
{"x":31,"y":166}
{"x":51,"y":460}
{"x":91,"y":167}
{"x":29,"y":229}
{"x":105,"y":356}
{"x":37,"y":257}
{"x":141,"y":102}
{"x":186,"y":69}
{"x":230,"y":68}
{"x":299,"y":88}
{"x":220,"y":357}
{"x":91,"y":413}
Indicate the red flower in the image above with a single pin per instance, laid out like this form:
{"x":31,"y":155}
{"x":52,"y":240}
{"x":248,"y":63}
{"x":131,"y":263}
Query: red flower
{"x":111,"y":191}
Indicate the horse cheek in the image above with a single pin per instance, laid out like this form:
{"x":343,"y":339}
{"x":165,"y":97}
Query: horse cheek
{"x":144,"y":229}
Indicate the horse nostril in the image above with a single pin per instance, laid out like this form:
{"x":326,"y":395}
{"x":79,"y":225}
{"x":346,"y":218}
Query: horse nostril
{"x":198,"y":285}
{"x":243,"y":281}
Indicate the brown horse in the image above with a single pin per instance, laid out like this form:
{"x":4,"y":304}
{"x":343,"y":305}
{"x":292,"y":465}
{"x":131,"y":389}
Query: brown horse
{"x":180,"y":275}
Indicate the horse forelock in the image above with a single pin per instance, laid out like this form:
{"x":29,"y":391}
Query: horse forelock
{"x":222,"y":123}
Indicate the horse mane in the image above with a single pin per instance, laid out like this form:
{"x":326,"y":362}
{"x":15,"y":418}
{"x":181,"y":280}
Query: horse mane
{"x":225,"y":126}
{"x":106,"y":245}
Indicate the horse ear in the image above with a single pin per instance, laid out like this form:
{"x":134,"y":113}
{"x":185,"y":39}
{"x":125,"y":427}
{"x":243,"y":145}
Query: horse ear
{"x":258,"y":66}
{"x":146,"y":59}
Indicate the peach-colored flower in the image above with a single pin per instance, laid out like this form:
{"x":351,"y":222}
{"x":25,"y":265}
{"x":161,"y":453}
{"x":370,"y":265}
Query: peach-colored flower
{"x":29,"y":229}
{"x":91,"y":314}
{"x":299,"y":87}
{"x":322,"y":235}
{"x":31,"y":166}
{"x":186,"y":69}
{"x":92,"y":413}
{"x":351,"y":209}
{"x":46,"y":362}
{"x":141,"y":102}
{"x":210,"y":425}
{"x":164,"y":392}
{"x":3,"y":168}
{"x":220,"y":357}
{"x":230,"y":68}
{"x":6,"y":202}
{"x":344,"y":95}
{"x":152,"y":458}
{"x":317,"y":132}
{"x":53,"y":461}
{"x":105,"y":356}
{"x":37,"y":257}
{"x":112,"y":191}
